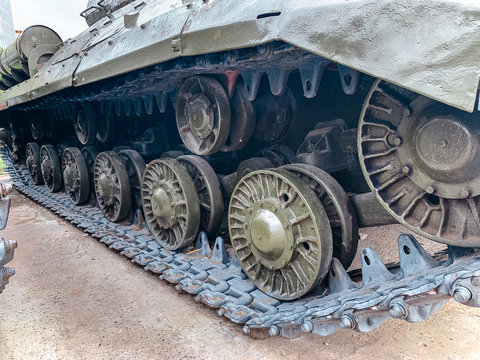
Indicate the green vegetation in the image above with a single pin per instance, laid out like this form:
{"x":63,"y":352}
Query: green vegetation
{"x":2,"y":167}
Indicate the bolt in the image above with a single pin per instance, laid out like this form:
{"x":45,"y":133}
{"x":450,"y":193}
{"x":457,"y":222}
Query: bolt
{"x":285,"y":225}
{"x":274,"y":330}
{"x":465,"y":193}
{"x":172,"y":204}
{"x":442,"y":143}
{"x":397,"y":141}
{"x":430,"y":189}
{"x":398,"y":311}
{"x":259,"y":237}
{"x":406,"y":169}
{"x":220,"y":312}
{"x":307,"y":326}
{"x":274,"y":209}
{"x":246,"y":330}
{"x":462,"y":294}
{"x":347,"y":321}
{"x":475,"y":280}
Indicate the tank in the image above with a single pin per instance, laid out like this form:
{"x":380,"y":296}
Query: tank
{"x":271,"y":131}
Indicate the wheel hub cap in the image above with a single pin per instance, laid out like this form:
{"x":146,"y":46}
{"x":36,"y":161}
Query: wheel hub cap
{"x":105,"y":188}
{"x":46,"y":168}
{"x":68,"y":176}
{"x":442,"y":157}
{"x":270,"y":235}
{"x":200,"y":114}
{"x":162,"y":206}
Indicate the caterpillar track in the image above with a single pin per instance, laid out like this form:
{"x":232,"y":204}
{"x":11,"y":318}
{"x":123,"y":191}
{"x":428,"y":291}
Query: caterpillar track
{"x":412,"y":290}
{"x":168,"y":125}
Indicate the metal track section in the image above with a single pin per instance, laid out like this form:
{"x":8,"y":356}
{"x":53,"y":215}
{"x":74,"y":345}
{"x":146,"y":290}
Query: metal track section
{"x":418,"y":288}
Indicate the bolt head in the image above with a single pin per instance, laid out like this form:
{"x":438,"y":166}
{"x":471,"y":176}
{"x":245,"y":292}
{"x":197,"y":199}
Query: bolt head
{"x":274,"y":330}
{"x":397,"y":141}
{"x":307,"y":326}
{"x":465,"y":193}
{"x":406,"y":169}
{"x":430,"y":189}
{"x":397,"y":311}
{"x":462,"y":294}
{"x":347,"y":322}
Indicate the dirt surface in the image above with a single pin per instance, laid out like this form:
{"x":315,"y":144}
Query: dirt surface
{"x":73,"y":298}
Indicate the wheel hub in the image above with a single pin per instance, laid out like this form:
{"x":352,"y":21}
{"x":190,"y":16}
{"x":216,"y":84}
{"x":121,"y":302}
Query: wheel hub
{"x":105,"y":188}
{"x":422,"y":160}
{"x":200,"y":115}
{"x":270,"y":234}
{"x":68,"y":176}
{"x":46,"y":166}
{"x":443,"y":155}
{"x":162,"y":205}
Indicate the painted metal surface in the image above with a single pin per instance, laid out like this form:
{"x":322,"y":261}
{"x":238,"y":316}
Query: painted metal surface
{"x":428,"y":47}
{"x":412,"y":290}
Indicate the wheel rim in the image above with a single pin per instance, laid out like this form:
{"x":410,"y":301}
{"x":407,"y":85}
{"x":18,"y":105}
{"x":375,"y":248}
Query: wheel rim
{"x":170,"y":203}
{"x":135,"y":168}
{"x":51,"y":168}
{"x":242,"y":122}
{"x":203,"y":115}
{"x":280,"y":233}
{"x":413,"y":175}
{"x":85,"y":124}
{"x":209,"y":192}
{"x":33,"y":162}
{"x":341,"y":216}
{"x":112,"y":186}
{"x":75,"y":175}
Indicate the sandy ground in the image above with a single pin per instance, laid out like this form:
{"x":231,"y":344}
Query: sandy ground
{"x":73,"y":298}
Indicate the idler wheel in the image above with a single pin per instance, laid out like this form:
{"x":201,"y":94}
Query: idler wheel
{"x":422,"y":159}
{"x":280,"y":233}
{"x":341,"y":215}
{"x":51,"y":168}
{"x":85,"y":124}
{"x":243,"y":120}
{"x":135,"y":167}
{"x":170,"y":203}
{"x":112,"y":186}
{"x":203,"y":115}
{"x":32,"y":154}
{"x":209,"y":192}
{"x":75,"y":175}
{"x":37,"y":126}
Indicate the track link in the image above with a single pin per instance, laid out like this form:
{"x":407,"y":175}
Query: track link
{"x":418,"y":288}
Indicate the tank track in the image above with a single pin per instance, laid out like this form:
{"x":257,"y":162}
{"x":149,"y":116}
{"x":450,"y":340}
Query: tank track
{"x":412,"y":291}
